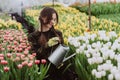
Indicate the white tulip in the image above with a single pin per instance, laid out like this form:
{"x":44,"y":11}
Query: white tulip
{"x":110,"y":66}
{"x":99,"y":60}
{"x":93,"y":36}
{"x":106,"y":38}
{"x":112,"y":34}
{"x":70,"y":39}
{"x":103,"y":73}
{"x":111,"y":55}
{"x":84,"y":38}
{"x":94,"y":71}
{"x":90,"y":61}
{"x":118,"y":58}
{"x":94,"y":45}
{"x":99,"y":68}
{"x":76,"y":44}
{"x":87,"y":42}
{"x":102,"y":32}
{"x":88,"y":55}
{"x":114,"y":70}
{"x":118,"y":64}
{"x":105,"y":55}
{"x":97,"y":50}
{"x":104,"y":49}
{"x":99,"y":45}
{"x":87,"y":35}
{"x":108,"y":61}
{"x":110,"y":77}
{"x":118,"y":39}
{"x":94,"y":59}
{"x":77,"y":50}
{"x":109,"y":44}
{"x":89,"y":47}
{"x":106,"y":67}
{"x":98,"y":75}
{"x":82,"y":48}
{"x":115,"y":57}
{"x":118,"y":68}
{"x":117,"y":76}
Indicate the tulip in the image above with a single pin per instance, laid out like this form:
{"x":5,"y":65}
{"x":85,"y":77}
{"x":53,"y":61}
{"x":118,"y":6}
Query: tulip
{"x":4,"y":62}
{"x":30,"y":64}
{"x":19,"y":66}
{"x":43,"y":61}
{"x":9,"y":55}
{"x":6,"y":69}
{"x":37,"y":61}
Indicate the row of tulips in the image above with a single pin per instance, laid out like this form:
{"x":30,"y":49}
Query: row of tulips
{"x":4,"y":24}
{"x":97,"y":55}
{"x":72,"y":22}
{"x":16,"y":62}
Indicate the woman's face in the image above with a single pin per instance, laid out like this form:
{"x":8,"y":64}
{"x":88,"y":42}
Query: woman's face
{"x":52,"y":22}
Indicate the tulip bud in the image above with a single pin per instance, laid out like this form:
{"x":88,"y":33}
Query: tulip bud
{"x":43,"y":61}
{"x":6,"y":69}
{"x":37,"y":61}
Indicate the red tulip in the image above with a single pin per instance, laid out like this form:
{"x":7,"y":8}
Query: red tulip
{"x":43,"y":61}
{"x":4,"y":62}
{"x":37,"y":61}
{"x":6,"y":69}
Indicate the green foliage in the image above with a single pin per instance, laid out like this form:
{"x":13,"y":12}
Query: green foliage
{"x":101,"y":8}
{"x":82,"y":67}
{"x":113,"y":17}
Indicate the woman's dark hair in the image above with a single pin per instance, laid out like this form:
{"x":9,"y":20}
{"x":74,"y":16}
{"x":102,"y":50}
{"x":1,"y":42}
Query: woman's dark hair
{"x":47,"y":13}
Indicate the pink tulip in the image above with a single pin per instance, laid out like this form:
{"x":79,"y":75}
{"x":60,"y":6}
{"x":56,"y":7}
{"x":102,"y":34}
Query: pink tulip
{"x":19,"y":66}
{"x":15,"y":42}
{"x":34,"y":54}
{"x":6,"y":69}
{"x":26,"y":52}
{"x":1,"y":58}
{"x":1,"y":55}
{"x":4,"y":62}
{"x":30,"y":64}
{"x":37,"y":61}
{"x":9,"y":55}
{"x":17,"y":59}
{"x":43,"y":61}
{"x":24,"y":63}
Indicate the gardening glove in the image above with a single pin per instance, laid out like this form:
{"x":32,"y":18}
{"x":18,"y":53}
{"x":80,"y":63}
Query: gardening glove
{"x":53,"y":41}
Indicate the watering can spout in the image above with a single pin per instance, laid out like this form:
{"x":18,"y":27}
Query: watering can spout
{"x":58,"y":56}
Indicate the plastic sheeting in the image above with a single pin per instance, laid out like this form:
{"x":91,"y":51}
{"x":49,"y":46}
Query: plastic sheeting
{"x":10,"y":6}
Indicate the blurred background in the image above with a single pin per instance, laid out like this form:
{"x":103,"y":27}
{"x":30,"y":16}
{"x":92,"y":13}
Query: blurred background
{"x":10,"y":6}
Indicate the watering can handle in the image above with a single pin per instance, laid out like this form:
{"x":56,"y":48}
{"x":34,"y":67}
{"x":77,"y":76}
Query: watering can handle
{"x":65,"y":59}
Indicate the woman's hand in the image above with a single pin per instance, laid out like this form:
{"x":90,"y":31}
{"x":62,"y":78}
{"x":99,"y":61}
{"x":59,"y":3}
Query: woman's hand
{"x":53,"y":41}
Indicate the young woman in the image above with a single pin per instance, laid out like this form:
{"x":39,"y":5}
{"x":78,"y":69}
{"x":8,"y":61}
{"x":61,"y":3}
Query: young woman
{"x":39,"y":41}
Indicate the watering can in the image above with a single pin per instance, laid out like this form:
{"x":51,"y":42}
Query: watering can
{"x":58,"y":55}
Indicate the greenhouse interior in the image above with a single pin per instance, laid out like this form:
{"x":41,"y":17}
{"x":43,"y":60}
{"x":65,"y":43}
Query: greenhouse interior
{"x":60,"y":40}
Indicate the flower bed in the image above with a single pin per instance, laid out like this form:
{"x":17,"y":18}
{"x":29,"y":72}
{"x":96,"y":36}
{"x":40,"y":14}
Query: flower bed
{"x":97,"y":55}
{"x":16,"y":62}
